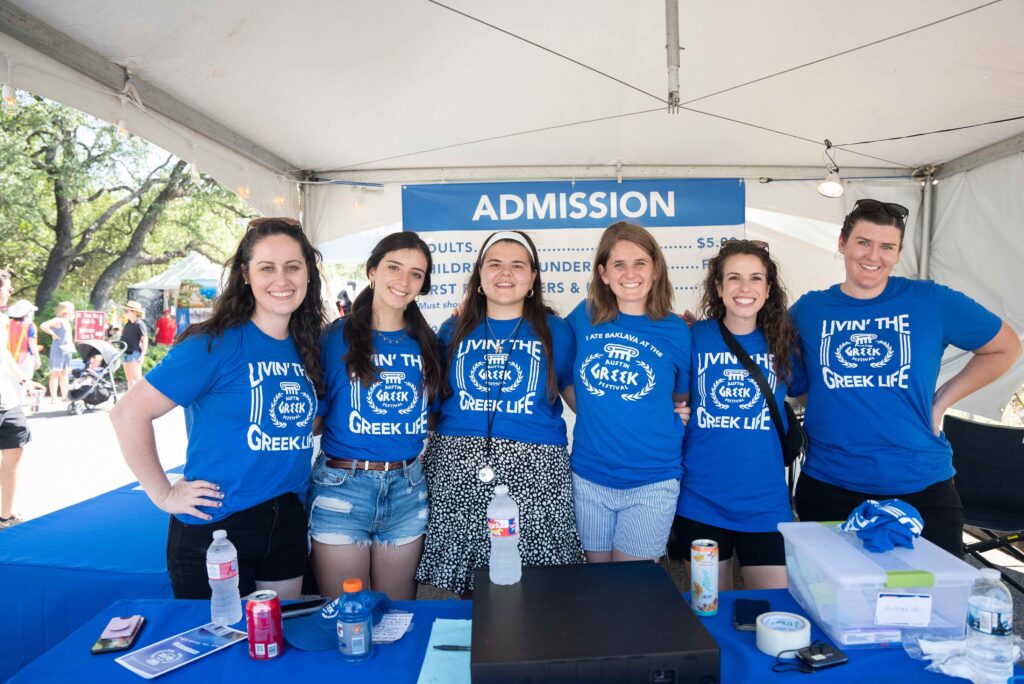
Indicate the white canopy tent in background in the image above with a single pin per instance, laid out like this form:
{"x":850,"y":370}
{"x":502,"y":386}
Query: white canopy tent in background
{"x":194,"y":266}
{"x":374,"y":95}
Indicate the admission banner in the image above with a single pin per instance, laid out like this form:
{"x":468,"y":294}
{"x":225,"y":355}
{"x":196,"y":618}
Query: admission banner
{"x":690,"y":218}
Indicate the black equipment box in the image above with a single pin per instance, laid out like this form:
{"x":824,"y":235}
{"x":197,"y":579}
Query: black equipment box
{"x":606,"y":622}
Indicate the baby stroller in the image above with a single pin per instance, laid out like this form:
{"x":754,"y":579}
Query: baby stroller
{"x":92,"y":387}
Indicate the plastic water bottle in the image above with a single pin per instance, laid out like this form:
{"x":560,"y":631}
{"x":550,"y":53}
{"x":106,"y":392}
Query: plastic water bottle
{"x":355,"y":622}
{"x":990,"y":630}
{"x":222,"y":569}
{"x":506,"y":565}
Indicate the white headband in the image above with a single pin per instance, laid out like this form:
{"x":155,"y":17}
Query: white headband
{"x":507,"y":235}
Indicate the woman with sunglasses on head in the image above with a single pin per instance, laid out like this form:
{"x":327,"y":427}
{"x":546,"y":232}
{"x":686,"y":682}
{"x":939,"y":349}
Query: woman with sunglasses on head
{"x":248,"y":378}
{"x":367,"y":498}
{"x":734,"y":486}
{"x":632,"y":363}
{"x":501,"y":421}
{"x":872,"y":347}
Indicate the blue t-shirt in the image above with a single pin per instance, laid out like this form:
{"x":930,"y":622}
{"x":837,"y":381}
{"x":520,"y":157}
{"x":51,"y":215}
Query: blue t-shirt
{"x":627,"y":433}
{"x":249,"y":409}
{"x":508,"y":387}
{"x":386,"y":421}
{"x":733,"y":473}
{"x":872,"y":366}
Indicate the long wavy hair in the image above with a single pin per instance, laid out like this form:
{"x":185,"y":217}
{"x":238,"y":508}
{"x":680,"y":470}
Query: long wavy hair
{"x":773,"y":318}
{"x":601,"y":301}
{"x":236,"y":304}
{"x":535,"y":311}
{"x":359,"y":323}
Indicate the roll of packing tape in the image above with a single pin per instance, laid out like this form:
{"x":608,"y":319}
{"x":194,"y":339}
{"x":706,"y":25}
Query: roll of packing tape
{"x":778,"y":632}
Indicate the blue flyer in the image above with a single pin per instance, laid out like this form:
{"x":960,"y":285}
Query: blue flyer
{"x":180,"y":649}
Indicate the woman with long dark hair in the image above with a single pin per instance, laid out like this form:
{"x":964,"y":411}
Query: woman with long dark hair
{"x":734,"y":487}
{"x":632,"y":363}
{"x":367,"y":498}
{"x":501,"y":421}
{"x":248,"y":378}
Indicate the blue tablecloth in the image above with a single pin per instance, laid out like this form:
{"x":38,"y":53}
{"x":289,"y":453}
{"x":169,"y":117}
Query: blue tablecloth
{"x":400,"y":662}
{"x":58,"y":571}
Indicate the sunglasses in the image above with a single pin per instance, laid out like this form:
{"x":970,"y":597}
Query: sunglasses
{"x":891,"y":208}
{"x":756,"y":244}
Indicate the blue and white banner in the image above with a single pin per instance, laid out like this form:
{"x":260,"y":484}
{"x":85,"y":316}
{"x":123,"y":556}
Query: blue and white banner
{"x":690,"y":218}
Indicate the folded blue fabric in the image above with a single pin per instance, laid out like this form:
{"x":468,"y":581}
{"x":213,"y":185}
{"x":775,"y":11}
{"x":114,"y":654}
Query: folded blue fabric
{"x":884,"y":525}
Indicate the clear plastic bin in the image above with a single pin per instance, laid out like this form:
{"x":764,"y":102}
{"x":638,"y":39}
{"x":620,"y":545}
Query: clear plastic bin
{"x":863,"y":599}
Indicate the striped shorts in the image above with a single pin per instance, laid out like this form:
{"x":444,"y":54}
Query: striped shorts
{"x":633,"y":521}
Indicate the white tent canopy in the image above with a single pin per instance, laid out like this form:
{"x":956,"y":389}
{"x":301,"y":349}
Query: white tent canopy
{"x":194,"y":266}
{"x":265,"y":98}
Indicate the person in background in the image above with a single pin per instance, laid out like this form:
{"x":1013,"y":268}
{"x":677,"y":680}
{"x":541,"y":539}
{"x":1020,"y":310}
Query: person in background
{"x":632,"y":364}
{"x":136,"y":342}
{"x":501,"y":421}
{"x":166,"y":329}
{"x":872,"y":346}
{"x":344,"y":304}
{"x":734,"y":487}
{"x":23,"y":340}
{"x":248,"y":378}
{"x":61,"y":350}
{"x":14,"y":432}
{"x":367,"y":498}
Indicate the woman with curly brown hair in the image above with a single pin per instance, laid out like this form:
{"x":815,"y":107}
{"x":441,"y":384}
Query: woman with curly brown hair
{"x":248,"y":378}
{"x":734,"y":487}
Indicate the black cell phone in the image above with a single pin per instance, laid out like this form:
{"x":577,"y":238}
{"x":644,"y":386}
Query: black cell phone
{"x":818,"y":656}
{"x":299,"y":608}
{"x":745,"y":612}
{"x":119,"y":635}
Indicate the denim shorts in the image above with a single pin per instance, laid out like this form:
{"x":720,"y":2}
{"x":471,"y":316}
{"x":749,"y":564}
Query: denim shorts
{"x":634,"y":521}
{"x":349,"y":506}
{"x":134,"y":356}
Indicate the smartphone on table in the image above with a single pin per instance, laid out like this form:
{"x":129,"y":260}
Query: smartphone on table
{"x":745,"y":612}
{"x":119,"y":634}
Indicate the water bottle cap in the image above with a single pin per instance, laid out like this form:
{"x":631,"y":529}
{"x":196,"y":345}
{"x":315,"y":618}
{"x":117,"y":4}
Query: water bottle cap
{"x":352,"y":585}
{"x":501,"y":489}
{"x":220,"y":534}
{"x":991,"y":574}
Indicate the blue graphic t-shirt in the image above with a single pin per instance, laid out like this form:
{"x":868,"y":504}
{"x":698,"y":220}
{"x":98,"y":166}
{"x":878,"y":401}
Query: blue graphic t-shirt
{"x":386,"y":421}
{"x":733,"y":474}
{"x":249,"y":410}
{"x":872,"y":366}
{"x":500,"y":373}
{"x":627,"y":433}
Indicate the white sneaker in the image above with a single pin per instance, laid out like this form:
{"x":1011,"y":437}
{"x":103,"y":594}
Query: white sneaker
{"x":11,"y":522}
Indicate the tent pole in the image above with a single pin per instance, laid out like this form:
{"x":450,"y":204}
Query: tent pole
{"x":927,"y":216}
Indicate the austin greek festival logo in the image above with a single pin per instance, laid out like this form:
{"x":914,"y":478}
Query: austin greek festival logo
{"x":496,"y":371}
{"x":291,"y":406}
{"x":735,"y":388}
{"x":617,"y":370}
{"x":864,"y":348}
{"x":392,"y":392}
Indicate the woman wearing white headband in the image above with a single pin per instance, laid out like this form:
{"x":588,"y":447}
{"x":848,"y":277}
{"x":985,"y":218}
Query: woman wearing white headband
{"x":501,"y":421}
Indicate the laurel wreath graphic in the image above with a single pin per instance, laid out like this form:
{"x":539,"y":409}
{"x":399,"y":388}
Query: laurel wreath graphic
{"x":415,"y":399}
{"x":637,"y":396}
{"x":280,"y":423}
{"x":596,"y":391}
{"x":888,"y":354}
{"x":714,"y":395}
{"x":839,"y":356}
{"x":483,"y":389}
{"x":371,"y":403}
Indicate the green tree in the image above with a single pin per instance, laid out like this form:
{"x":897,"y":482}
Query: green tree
{"x":81,"y":207}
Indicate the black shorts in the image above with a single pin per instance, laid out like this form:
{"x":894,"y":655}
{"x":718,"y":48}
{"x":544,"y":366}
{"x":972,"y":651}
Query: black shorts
{"x":271,"y":543}
{"x":752,"y":548}
{"x":14,"y":432}
{"x":939,"y":506}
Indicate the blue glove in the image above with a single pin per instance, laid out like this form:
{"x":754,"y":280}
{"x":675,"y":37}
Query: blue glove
{"x":884,"y":525}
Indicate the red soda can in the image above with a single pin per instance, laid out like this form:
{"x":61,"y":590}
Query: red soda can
{"x":263,"y":618}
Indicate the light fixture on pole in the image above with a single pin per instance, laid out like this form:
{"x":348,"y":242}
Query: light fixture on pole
{"x":831,"y":186}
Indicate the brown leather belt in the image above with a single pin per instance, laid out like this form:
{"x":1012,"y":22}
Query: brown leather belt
{"x":383,"y":466}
